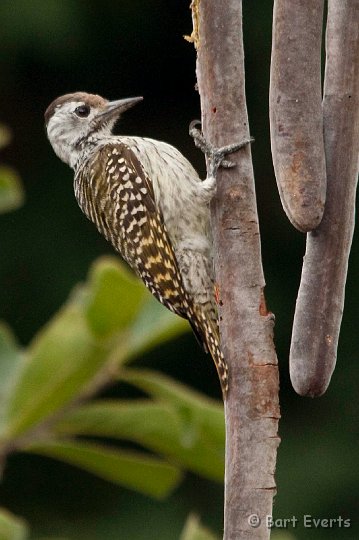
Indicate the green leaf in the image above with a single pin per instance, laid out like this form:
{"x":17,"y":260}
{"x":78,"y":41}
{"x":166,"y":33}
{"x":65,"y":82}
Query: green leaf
{"x":131,"y":469}
{"x":60,"y":361}
{"x":112,"y":297}
{"x":155,"y":426}
{"x":115,"y":300}
{"x":142,"y":421}
{"x":12,"y":527}
{"x":192,"y":405}
{"x":154,"y":325}
{"x":10,"y":363}
{"x":193,"y":530}
{"x":170,"y":429}
{"x":11,"y":192}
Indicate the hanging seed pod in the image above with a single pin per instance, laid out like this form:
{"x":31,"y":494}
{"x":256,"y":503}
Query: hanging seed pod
{"x":296,"y":119}
{"x":320,"y":300}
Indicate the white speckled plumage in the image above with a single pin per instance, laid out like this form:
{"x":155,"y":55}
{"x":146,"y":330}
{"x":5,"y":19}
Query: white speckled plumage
{"x":149,"y":202}
{"x":184,"y":202}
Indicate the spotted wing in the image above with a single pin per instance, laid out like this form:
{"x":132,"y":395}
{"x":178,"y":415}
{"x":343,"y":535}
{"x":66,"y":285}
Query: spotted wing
{"x":136,"y":228}
{"x":124,"y":209}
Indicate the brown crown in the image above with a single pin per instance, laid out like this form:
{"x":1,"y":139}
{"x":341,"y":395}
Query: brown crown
{"x":92,"y":100}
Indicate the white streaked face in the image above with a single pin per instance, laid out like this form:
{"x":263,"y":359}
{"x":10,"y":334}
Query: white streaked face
{"x":70,"y":123}
{"x":71,"y":120}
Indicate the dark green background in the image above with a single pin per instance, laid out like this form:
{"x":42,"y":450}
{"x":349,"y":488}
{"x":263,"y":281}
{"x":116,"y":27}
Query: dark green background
{"x":120,"y":49}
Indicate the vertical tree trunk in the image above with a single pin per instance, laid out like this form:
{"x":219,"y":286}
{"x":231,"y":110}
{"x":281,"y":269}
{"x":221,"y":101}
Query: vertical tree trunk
{"x":251,"y":408}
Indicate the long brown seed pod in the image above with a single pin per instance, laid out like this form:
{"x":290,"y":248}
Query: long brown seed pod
{"x":321,"y":294}
{"x":296,"y":119}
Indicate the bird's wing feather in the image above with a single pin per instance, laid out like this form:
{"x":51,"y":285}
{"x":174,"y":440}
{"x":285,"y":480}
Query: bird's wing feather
{"x":124,"y":209}
{"x":144,"y":241}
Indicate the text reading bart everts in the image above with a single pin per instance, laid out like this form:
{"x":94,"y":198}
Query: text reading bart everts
{"x":307,"y":521}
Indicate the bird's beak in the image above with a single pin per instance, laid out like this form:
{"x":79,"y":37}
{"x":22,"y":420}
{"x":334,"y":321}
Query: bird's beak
{"x":113,"y":109}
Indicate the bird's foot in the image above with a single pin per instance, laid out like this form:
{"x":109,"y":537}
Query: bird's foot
{"x":216,"y":156}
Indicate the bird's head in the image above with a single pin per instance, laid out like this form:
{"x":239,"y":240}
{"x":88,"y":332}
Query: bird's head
{"x":73,"y":120}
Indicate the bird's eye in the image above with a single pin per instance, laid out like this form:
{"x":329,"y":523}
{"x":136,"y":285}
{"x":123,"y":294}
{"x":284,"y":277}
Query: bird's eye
{"x":82,"y":111}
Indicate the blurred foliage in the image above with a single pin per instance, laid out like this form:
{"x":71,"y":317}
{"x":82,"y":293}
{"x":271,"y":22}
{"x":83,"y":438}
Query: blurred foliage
{"x":12,"y":527}
{"x":120,"y":49}
{"x":45,"y":390}
{"x":5,"y":136}
{"x":11,"y":192}
{"x":195,"y":531}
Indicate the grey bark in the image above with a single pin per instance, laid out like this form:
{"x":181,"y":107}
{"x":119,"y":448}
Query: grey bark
{"x":296,"y":119}
{"x":251,"y":407}
{"x":321,"y":295}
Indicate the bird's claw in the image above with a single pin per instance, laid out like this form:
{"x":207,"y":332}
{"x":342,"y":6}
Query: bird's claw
{"x":198,"y":137}
{"x":216,"y":156}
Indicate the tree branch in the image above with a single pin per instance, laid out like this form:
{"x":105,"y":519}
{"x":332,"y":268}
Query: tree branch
{"x":251,"y":408}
